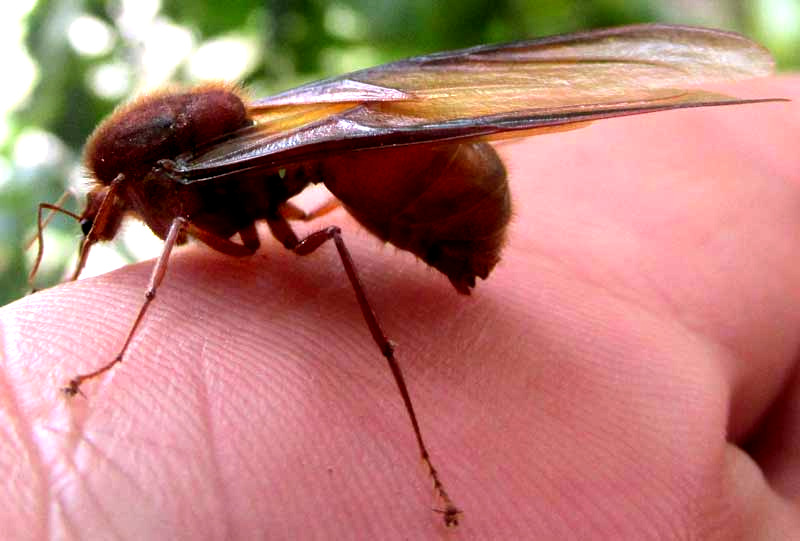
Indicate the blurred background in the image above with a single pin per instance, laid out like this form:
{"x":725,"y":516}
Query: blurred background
{"x":69,"y":62}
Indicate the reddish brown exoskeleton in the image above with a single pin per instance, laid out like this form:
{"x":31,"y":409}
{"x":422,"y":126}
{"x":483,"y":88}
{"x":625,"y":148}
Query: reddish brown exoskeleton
{"x":403,"y":147}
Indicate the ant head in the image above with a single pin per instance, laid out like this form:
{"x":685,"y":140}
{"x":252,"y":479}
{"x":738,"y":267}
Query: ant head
{"x":103,"y":214}
{"x":100,"y":219}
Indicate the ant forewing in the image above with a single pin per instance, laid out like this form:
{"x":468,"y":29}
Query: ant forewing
{"x":403,"y":146}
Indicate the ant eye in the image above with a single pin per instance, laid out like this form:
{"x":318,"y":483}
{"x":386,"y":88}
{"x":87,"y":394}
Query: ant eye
{"x":86,"y":226}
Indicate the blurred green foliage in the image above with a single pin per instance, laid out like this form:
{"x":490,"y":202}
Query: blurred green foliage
{"x":59,"y":67}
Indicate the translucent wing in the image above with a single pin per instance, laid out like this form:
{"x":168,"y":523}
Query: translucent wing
{"x":488,"y":91}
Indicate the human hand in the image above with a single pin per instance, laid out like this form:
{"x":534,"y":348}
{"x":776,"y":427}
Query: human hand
{"x":641,"y":329}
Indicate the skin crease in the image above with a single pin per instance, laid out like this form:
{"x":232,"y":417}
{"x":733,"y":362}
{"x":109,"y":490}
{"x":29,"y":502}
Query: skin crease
{"x":640,"y":332}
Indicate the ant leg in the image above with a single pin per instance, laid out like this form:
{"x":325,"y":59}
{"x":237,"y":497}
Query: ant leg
{"x":284,"y":233}
{"x":40,"y":225}
{"x":248,"y":235}
{"x":178,"y":226}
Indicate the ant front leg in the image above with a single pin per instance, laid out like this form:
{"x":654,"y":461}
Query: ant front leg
{"x":179,"y":226}
{"x":283,"y":232}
